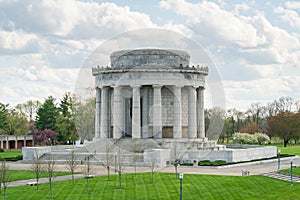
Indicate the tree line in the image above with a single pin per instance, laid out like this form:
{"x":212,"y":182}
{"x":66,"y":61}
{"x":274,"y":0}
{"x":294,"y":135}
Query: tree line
{"x":71,"y":118}
{"x":280,"y":118}
{"x":53,"y":121}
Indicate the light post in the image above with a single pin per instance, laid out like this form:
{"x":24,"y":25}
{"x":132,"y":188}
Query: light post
{"x":291,"y":171}
{"x":181,"y":177}
{"x":278,"y":159}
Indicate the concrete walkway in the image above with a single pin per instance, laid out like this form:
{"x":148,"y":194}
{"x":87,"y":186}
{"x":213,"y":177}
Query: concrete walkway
{"x":281,"y":176}
{"x":254,"y":168}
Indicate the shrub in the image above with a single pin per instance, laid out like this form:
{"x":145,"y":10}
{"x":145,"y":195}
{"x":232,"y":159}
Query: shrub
{"x":1,"y":150}
{"x":245,"y":138}
{"x":262,"y":138}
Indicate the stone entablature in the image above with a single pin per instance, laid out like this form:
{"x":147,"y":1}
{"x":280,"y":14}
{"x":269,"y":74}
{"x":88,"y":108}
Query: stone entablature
{"x":176,"y":69}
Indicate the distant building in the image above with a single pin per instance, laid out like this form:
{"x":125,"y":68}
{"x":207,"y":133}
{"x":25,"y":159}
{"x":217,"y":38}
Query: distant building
{"x":9,"y":142}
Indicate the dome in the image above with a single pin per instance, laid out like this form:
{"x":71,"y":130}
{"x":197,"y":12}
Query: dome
{"x":149,"y":57}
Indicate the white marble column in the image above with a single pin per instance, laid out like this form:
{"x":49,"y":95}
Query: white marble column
{"x":97,"y":114}
{"x":200,"y":114}
{"x":192,"y":112}
{"x":104,"y":113}
{"x":145,"y":113}
{"x":157,"y":114}
{"x":118,"y":113}
{"x":136,"y":112}
{"x":177,"y":123}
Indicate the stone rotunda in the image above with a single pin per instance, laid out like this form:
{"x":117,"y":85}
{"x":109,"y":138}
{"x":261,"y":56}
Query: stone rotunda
{"x":154,"y":98}
{"x":150,"y":93}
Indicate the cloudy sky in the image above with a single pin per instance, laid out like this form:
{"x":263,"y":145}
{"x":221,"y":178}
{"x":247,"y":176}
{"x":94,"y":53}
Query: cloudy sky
{"x":255,"y":45}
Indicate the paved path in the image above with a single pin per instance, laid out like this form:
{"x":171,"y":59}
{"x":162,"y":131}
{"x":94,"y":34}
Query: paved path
{"x":255,"y":168}
{"x":281,"y":176}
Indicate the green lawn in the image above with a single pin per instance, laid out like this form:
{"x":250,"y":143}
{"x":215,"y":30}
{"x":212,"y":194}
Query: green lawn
{"x":9,"y":154}
{"x":15,"y":175}
{"x":165,"y":187}
{"x":296,"y":171}
{"x":293,"y":150}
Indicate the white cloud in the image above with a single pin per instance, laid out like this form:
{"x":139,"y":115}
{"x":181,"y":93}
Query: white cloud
{"x":72,"y":18}
{"x":264,"y":90}
{"x":17,"y":41}
{"x":214,"y":22}
{"x":22,"y":84}
{"x":241,"y":8}
{"x":290,"y":16}
{"x":293,"y":4}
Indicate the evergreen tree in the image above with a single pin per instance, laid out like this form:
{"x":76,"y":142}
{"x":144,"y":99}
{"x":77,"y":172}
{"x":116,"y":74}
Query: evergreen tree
{"x":65,"y":123}
{"x":47,"y":114}
{"x":4,"y":126}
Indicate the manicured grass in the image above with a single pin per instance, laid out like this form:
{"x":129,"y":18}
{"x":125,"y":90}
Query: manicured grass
{"x":292,"y":150}
{"x":165,"y":187}
{"x":296,"y":171}
{"x":10,"y":154}
{"x":15,"y":175}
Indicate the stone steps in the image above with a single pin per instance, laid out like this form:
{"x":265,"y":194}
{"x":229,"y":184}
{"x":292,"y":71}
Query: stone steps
{"x":281,"y":176}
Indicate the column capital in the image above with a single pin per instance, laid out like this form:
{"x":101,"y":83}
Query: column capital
{"x":157,"y":86}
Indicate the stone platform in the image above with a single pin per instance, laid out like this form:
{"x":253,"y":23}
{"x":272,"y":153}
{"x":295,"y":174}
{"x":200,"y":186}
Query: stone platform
{"x":143,"y":151}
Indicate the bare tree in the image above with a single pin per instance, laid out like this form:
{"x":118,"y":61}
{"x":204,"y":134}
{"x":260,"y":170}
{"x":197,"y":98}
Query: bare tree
{"x":135,"y":155}
{"x":4,"y":175}
{"x":50,"y":168}
{"x":108,"y":159}
{"x":177,"y":158}
{"x":120,"y":166}
{"x":153,"y":164}
{"x":72,"y":164}
{"x":37,"y":167}
{"x":88,"y":171}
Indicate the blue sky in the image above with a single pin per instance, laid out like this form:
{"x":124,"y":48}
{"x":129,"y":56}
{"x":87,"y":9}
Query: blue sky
{"x":255,"y":45}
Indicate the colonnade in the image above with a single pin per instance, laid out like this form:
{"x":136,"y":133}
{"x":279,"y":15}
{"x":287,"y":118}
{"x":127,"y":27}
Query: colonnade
{"x":196,"y":126}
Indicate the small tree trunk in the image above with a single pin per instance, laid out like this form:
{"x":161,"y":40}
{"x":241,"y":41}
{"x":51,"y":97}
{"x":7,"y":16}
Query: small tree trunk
{"x":87,"y":185}
{"x":37,"y":184}
{"x":285,"y":142}
{"x":152,"y":177}
{"x":50,"y":190}
{"x":73,"y":179}
{"x":120,"y":180}
{"x":4,"y":192}
{"x":108,"y":173}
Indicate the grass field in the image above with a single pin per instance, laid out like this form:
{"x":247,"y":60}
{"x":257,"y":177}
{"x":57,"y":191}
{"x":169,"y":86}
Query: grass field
{"x":296,"y":171}
{"x":165,"y":187}
{"x":15,"y":175}
{"x":293,"y":150}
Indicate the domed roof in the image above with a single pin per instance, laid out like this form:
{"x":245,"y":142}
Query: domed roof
{"x":149,"y":57}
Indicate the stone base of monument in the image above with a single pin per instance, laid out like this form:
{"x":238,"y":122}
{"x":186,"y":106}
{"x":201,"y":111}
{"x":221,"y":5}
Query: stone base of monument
{"x":146,"y":152}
